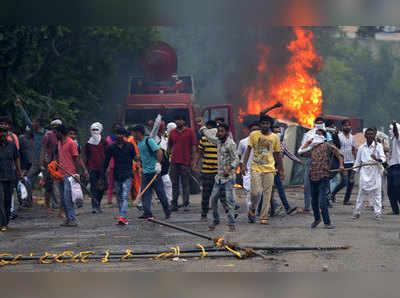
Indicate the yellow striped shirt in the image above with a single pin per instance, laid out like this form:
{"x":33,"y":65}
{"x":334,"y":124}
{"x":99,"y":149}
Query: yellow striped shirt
{"x":210,"y":156}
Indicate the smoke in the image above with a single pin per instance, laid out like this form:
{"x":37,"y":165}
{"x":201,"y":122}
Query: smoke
{"x":224,"y":60}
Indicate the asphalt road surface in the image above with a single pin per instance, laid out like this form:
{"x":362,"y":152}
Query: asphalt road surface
{"x":374,"y":245}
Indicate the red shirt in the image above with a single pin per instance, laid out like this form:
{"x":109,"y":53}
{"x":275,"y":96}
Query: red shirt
{"x":95,"y":155}
{"x":67,"y":150}
{"x":50,"y":143}
{"x":181,"y":144}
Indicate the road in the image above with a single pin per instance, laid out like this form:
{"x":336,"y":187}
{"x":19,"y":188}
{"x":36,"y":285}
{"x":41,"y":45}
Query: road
{"x":374,"y":245}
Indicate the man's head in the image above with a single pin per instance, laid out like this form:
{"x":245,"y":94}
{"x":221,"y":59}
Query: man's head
{"x":3,"y":134}
{"x":72,"y":133}
{"x":5,"y":122}
{"x":38,"y":123}
{"x":254,"y":126}
{"x":138,"y":132}
{"x":370,"y":134}
{"x":115,"y":127}
{"x":211,"y":124}
{"x":61,"y":131}
{"x":321,"y":132}
{"x":120,"y":134}
{"x":330,"y":124}
{"x":319,"y":120}
{"x":180,"y":120}
{"x":223,"y":132}
{"x":220,"y":120}
{"x":346,"y":126}
{"x":276,"y":129}
{"x":199,"y":121}
{"x":54,"y":124}
{"x":266,"y":122}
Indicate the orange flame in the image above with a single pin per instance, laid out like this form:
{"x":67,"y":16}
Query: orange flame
{"x":298,"y":90}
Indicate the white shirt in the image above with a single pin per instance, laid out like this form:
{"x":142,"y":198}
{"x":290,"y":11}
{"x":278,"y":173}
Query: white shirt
{"x":370,"y":176}
{"x":242,"y":151}
{"x":395,"y":158}
{"x":346,"y":147}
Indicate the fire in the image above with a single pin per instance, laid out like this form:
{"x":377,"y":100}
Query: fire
{"x":297,"y":89}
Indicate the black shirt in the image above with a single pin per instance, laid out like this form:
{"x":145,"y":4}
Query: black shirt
{"x":123,"y":158}
{"x":8,"y":156}
{"x":26,"y":152}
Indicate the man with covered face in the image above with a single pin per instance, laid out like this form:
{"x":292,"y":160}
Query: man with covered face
{"x":9,"y":170}
{"x":95,"y":153}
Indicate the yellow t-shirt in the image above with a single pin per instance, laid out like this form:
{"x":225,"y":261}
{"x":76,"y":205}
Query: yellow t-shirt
{"x":263,"y":148}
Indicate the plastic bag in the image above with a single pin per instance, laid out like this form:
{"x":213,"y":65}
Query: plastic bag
{"x":76,"y":190}
{"x":23,"y":191}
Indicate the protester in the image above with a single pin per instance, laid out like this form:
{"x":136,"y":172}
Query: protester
{"x":137,"y":179}
{"x":182,"y":149}
{"x":110,"y":140}
{"x":349,"y":152}
{"x":38,"y":133}
{"x":266,"y":154}
{"x":95,"y":153}
{"x":73,"y":134}
{"x":393,"y":175}
{"x":241,"y":153}
{"x":123,"y":154}
{"x":370,"y":175}
{"x":67,"y":156}
{"x":319,"y":123}
{"x":320,"y":152}
{"x":277,"y":179}
{"x":228,"y":161}
{"x":151,"y":156}
{"x":9,"y":170}
{"x":49,"y":145}
{"x":26,"y":156}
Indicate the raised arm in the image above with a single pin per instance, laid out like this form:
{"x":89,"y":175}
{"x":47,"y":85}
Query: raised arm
{"x":267,"y":110}
{"x":25,"y":116}
{"x":156,"y":126}
{"x":210,"y":134}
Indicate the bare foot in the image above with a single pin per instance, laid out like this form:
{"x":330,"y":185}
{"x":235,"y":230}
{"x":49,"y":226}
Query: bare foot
{"x":61,"y":215}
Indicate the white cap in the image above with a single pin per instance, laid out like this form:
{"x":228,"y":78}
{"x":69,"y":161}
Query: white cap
{"x":56,"y":122}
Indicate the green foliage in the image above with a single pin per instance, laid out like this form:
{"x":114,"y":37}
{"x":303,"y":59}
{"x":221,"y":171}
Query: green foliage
{"x":62,"y":71}
{"x":358,"y":79}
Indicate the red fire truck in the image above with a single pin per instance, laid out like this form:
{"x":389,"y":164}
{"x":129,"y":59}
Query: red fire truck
{"x":161,"y":86}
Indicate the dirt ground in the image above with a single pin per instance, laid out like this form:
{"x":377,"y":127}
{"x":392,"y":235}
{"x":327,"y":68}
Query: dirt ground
{"x":374,"y":245}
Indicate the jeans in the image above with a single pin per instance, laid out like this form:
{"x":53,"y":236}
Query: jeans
{"x":95,"y":177}
{"x":334,"y":183}
{"x":183,"y":172}
{"x":207,"y":182}
{"x":230,"y":201}
{"x":346,"y":179}
{"x":281,"y":192}
{"x":307,"y":186}
{"x":393,"y":187}
{"x":122,"y":188}
{"x":158,"y":187}
{"x":6,"y":188}
{"x":319,"y":200}
{"x":66,"y":198}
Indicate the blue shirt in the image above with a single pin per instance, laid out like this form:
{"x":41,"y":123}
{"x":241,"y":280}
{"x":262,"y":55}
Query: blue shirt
{"x":37,"y":136}
{"x":149,"y":159}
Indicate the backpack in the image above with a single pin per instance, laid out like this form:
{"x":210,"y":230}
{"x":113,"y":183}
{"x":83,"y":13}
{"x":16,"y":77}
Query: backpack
{"x":165,"y":158}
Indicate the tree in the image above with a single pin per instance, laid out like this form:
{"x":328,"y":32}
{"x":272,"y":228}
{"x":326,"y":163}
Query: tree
{"x":62,"y":70}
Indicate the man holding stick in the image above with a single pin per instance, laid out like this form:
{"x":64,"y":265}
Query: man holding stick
{"x":370,"y":175}
{"x":151,"y":156}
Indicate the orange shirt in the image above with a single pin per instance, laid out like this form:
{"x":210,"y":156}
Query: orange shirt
{"x":13,"y":138}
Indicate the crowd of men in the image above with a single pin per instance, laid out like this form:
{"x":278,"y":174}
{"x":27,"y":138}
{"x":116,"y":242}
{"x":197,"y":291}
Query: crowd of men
{"x":132,"y":163}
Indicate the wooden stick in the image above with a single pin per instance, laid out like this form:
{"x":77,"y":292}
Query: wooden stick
{"x":357,"y":167}
{"x":146,"y":188}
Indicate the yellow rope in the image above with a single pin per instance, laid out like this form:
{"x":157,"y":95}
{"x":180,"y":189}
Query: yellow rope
{"x":42,"y":259}
{"x":4,"y":262}
{"x":84,"y":256}
{"x":238,"y":254}
{"x":128,"y":254}
{"x":203,"y":251}
{"x":15,"y":260}
{"x":219,"y":242}
{"x":105,"y":259}
{"x":64,"y":254}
